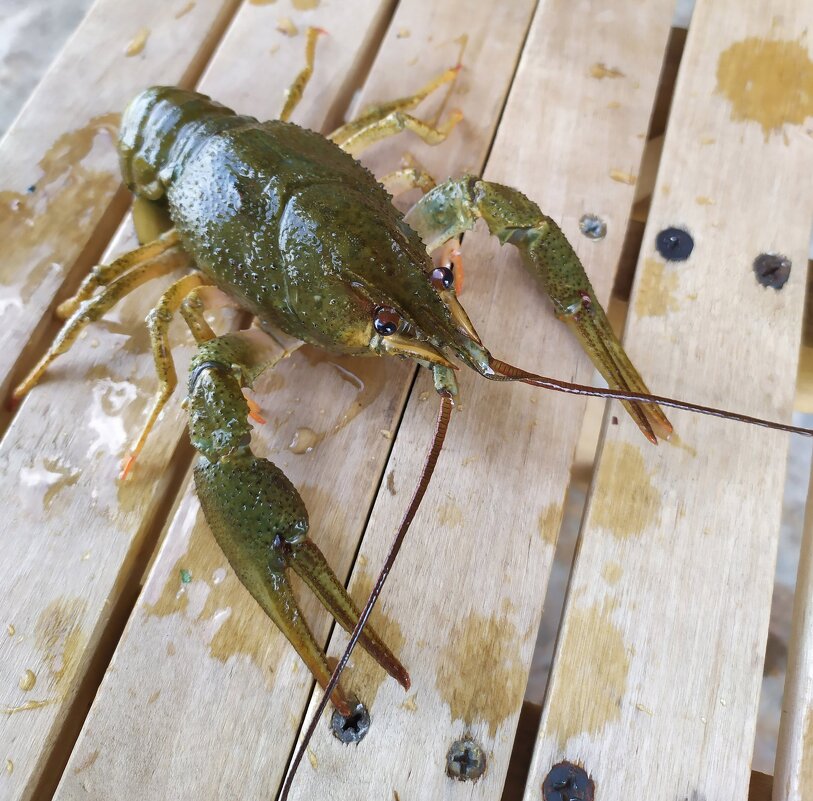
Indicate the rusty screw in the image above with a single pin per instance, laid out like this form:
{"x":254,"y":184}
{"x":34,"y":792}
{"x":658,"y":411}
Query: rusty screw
{"x":592,"y":226}
{"x":465,"y":760}
{"x":674,"y":244}
{"x":567,"y":782}
{"x":772,"y":270}
{"x":351,"y":729}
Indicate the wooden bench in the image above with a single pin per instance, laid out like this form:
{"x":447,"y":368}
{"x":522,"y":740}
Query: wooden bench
{"x":134,"y":665}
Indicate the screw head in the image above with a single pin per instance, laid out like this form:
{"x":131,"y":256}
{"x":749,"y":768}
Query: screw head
{"x":465,"y":760}
{"x":351,"y":729}
{"x":592,"y":226}
{"x":674,"y":244}
{"x":567,"y":782}
{"x":772,"y":269}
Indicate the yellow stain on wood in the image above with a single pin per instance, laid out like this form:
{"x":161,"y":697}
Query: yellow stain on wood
{"x":366,"y":676}
{"x":305,"y":5}
{"x":28,"y":680}
{"x":410,"y":704}
{"x":707,"y":140}
{"x":480,"y":675}
{"x":29,"y":706}
{"x":9,"y":767}
{"x":656,"y":290}
{"x":185,"y":10}
{"x":286,"y":25}
{"x":767,"y":81}
{"x":676,"y":442}
{"x":59,"y":638}
{"x":594,"y":664}
{"x":611,"y":573}
{"x":87,"y":763}
{"x":549,"y":521}
{"x":601,"y":71}
{"x":625,"y":502}
{"x":702,"y":200}
{"x":137,"y":43}
{"x":42,"y":220}
{"x":449,"y":514}
{"x":244,"y":631}
{"x":623,"y":177}
{"x":262,"y":2}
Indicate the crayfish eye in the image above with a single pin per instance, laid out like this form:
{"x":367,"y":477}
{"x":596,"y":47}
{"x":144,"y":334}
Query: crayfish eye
{"x":442,"y":278}
{"x":386,"y":321}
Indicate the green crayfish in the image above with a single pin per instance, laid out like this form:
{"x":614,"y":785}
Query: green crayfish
{"x":286,"y":224}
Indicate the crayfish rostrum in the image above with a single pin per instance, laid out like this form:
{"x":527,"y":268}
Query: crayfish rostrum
{"x":286,"y":224}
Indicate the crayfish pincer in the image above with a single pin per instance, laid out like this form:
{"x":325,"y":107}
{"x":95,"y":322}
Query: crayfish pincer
{"x":284,"y":223}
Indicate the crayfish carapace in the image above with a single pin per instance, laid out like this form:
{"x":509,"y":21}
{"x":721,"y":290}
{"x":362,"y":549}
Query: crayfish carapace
{"x":286,"y":224}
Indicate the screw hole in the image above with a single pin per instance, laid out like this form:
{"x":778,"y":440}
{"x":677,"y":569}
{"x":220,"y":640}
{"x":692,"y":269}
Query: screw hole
{"x":354,"y":727}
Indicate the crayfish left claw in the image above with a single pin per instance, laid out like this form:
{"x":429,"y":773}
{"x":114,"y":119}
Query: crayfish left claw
{"x":256,"y":515}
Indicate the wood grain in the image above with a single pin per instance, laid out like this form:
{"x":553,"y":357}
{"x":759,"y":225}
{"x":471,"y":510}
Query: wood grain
{"x":466,"y":597}
{"x":659,"y":659}
{"x":793,"y":772}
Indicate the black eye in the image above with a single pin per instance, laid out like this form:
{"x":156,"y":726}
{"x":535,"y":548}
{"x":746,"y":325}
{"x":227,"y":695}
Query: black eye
{"x":386,"y":321}
{"x":442,"y":278}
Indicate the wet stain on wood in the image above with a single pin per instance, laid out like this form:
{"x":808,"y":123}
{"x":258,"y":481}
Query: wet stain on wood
{"x":40,"y":227}
{"x":87,"y":763}
{"x":137,"y":43}
{"x":480,"y":675}
{"x":548,"y":523}
{"x":601,"y":71}
{"x":625,"y":502}
{"x":449,"y":514}
{"x":593,"y":668}
{"x":241,"y":627}
{"x":623,"y":177}
{"x":59,"y":638}
{"x":656,"y":290}
{"x":767,"y":81}
{"x":611,"y":573}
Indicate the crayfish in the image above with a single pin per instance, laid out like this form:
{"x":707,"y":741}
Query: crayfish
{"x":286,"y":224}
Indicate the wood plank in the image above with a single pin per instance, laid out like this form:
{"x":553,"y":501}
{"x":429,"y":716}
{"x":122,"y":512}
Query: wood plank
{"x":67,"y":516}
{"x":793,"y":771}
{"x":58,"y":204}
{"x":466,"y":597}
{"x":657,"y":672}
{"x":225,"y":656}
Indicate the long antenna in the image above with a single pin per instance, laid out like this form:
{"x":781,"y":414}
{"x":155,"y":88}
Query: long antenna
{"x":442,"y":424}
{"x":507,"y":372}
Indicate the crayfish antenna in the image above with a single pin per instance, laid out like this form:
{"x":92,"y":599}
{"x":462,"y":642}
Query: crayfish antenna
{"x":501,"y":371}
{"x":441,"y":426}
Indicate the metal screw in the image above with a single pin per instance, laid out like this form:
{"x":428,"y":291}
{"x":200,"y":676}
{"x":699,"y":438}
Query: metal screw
{"x":674,"y":244}
{"x":567,"y":782}
{"x":352,"y":729}
{"x":772,"y":269}
{"x":465,"y":760}
{"x":592,"y":226}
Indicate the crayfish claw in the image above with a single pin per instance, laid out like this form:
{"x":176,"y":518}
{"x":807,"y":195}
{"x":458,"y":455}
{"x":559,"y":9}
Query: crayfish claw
{"x":312,"y":567}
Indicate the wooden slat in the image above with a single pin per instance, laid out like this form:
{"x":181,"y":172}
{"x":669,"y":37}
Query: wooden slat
{"x":657,"y":672}
{"x":466,"y":597}
{"x":217,"y":659}
{"x":793,"y":772}
{"x":60,"y":170}
{"x":67,"y":517}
